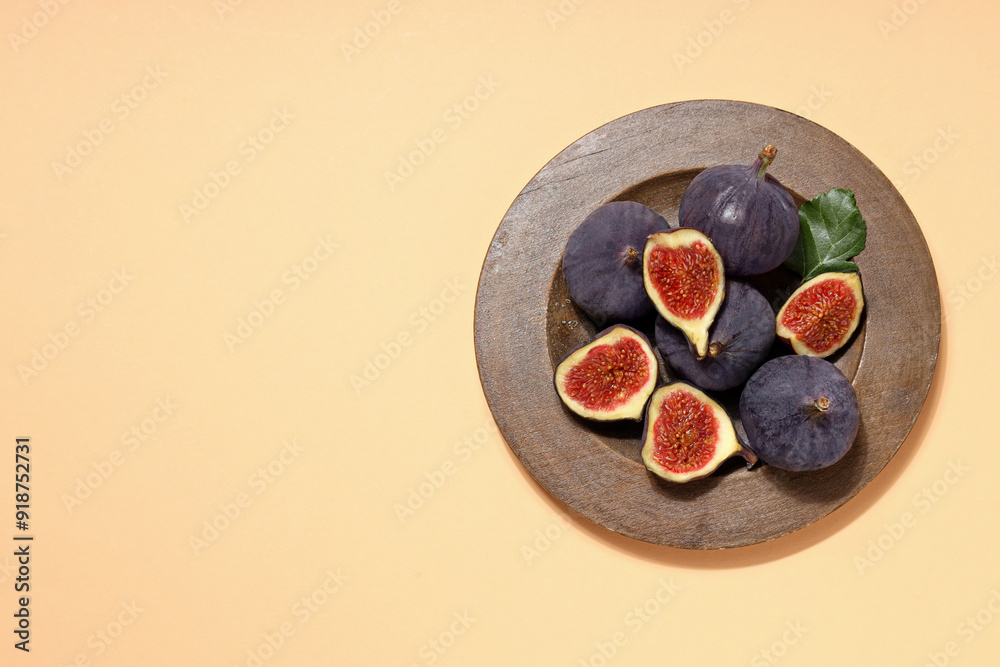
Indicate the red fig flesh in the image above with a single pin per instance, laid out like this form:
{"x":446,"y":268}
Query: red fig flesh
{"x":687,"y":434}
{"x":610,"y":377}
{"x":685,"y":279}
{"x":820,"y":316}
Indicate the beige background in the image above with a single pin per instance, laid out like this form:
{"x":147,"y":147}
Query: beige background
{"x":157,"y":102}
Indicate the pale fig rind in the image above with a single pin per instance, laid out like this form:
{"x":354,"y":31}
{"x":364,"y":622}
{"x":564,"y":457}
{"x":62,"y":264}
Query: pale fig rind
{"x":626,"y":386}
{"x":704,"y":421}
{"x":698,"y":276}
{"x":825,"y":328}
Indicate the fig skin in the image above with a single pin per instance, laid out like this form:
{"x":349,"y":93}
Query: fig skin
{"x":852,"y":281}
{"x":738,"y":343}
{"x":726,"y":444}
{"x":678,"y":278}
{"x":634,"y":406}
{"x":800,"y":413}
{"x":750,"y":217}
{"x":602,"y":262}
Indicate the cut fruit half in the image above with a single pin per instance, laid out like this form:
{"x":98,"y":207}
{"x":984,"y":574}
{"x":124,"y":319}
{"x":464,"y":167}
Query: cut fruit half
{"x":684,"y":278}
{"x":610,"y":377}
{"x":820,"y":316}
{"x":687,"y":435}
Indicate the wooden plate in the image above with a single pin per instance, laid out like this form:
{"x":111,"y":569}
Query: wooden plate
{"x":525,"y":323}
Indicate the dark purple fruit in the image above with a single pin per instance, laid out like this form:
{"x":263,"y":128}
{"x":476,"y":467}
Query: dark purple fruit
{"x":602,"y":262}
{"x":750,"y":217}
{"x":800,"y":413}
{"x":609,"y":378}
{"x":738,"y":342}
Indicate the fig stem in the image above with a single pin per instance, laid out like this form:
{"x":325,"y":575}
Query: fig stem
{"x":748,"y":455}
{"x":764,"y":160}
{"x":819,"y":406}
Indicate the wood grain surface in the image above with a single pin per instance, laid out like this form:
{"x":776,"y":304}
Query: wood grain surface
{"x":525,"y":322}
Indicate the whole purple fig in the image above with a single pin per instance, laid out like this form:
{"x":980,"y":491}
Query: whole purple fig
{"x":602,"y":262}
{"x":738,"y":342}
{"x":750,"y":217}
{"x":800,"y":413}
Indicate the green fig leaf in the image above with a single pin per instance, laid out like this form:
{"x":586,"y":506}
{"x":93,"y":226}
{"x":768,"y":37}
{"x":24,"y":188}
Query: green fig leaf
{"x":831,"y":232}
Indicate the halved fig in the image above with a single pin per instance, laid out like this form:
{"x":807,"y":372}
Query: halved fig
{"x":820,"y":316}
{"x":685,"y":279}
{"x":800,"y":413}
{"x":602,"y":262}
{"x":610,"y":377}
{"x":687,"y":435}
